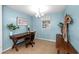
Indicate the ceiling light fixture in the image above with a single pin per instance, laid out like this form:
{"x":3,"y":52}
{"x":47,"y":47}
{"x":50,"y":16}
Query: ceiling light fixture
{"x":39,"y":10}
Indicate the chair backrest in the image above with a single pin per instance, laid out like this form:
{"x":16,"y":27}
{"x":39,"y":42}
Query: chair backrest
{"x":32,"y":36}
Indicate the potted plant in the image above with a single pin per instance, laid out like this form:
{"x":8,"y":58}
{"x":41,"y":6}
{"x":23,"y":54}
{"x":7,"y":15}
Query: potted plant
{"x":12,"y":27}
{"x":61,"y":26}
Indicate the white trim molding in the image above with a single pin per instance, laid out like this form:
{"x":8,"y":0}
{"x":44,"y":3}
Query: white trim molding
{"x":0,"y":28}
{"x":47,"y":39}
{"x":6,"y":49}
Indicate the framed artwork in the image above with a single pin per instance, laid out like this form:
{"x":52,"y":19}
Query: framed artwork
{"x":45,"y":23}
{"x":21,"y":21}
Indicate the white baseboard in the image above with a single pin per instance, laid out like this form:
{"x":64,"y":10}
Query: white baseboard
{"x":47,"y":39}
{"x":6,"y":49}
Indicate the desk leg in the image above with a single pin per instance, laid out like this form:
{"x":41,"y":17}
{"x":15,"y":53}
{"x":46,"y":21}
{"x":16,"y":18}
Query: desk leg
{"x":33,"y":42}
{"x":15,"y":45}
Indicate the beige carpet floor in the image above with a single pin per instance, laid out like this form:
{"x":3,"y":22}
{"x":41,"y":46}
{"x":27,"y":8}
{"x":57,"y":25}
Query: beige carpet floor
{"x":40,"y":47}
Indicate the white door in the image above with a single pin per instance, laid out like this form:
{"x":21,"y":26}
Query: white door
{"x":0,"y":28}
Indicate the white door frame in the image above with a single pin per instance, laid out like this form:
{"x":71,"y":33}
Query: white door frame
{"x":0,"y":28}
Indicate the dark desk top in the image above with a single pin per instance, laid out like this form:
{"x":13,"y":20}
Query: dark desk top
{"x":20,"y":35}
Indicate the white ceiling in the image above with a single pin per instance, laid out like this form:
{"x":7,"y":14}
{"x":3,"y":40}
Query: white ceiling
{"x":27,"y":8}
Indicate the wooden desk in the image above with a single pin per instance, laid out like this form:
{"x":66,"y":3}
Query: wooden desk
{"x":17,"y":37}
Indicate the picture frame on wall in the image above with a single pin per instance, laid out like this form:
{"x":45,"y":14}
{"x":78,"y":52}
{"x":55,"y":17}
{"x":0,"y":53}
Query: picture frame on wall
{"x":21,"y":21}
{"x":45,"y":23}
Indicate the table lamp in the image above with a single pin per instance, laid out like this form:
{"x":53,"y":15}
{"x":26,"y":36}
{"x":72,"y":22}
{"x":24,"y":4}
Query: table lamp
{"x":28,"y":28}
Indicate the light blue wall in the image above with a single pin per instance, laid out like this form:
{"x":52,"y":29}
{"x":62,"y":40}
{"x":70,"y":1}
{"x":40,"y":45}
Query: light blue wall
{"x":73,"y":11}
{"x":9,"y":16}
{"x":49,"y":34}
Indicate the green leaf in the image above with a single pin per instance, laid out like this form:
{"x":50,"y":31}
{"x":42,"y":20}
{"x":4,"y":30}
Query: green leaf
{"x":12,"y":27}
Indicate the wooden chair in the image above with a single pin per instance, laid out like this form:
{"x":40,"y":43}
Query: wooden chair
{"x":32,"y":37}
{"x":29,"y":39}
